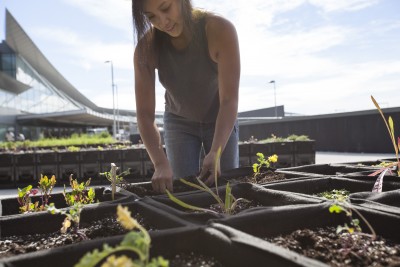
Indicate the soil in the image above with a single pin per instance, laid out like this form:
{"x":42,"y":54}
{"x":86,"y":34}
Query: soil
{"x":109,"y":226}
{"x":194,"y":260}
{"x":241,"y":205}
{"x":147,"y":190}
{"x":261,"y":178}
{"x":17,"y":245}
{"x":323,"y":244}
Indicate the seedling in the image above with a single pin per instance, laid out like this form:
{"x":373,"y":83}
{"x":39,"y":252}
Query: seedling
{"x":262,"y":162}
{"x":342,"y":205}
{"x":335,"y":194}
{"x":227,"y":206}
{"x":119,"y":178}
{"x":137,"y":242}
{"x":24,"y":199}
{"x":80,"y":192}
{"x":387,"y":169}
{"x":46,"y":186}
{"x":72,"y":217}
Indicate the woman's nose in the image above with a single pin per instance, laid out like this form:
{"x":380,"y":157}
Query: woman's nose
{"x":164,"y":21}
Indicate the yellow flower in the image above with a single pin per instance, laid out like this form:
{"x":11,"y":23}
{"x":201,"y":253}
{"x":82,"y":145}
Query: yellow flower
{"x":273,"y":158}
{"x":122,"y":261}
{"x":125,"y":219}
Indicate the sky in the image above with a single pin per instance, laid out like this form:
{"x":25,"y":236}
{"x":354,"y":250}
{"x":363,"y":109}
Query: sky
{"x":325,"y":56}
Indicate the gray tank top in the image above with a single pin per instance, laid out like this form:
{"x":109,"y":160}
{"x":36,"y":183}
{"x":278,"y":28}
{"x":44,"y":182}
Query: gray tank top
{"x":190,"y":78}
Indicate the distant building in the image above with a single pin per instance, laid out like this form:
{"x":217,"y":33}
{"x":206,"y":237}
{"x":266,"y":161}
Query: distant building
{"x":36,"y":100}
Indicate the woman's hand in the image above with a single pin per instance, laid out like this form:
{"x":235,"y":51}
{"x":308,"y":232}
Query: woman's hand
{"x":162,"y":178}
{"x":207,"y":173}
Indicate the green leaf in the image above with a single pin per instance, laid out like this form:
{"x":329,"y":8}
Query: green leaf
{"x":335,"y":209}
{"x":228,"y":198}
{"x":136,"y":240}
{"x":185,"y":205}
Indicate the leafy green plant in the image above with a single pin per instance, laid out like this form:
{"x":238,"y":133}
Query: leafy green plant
{"x":342,"y":204}
{"x":73,"y":149}
{"x":334,"y":194}
{"x":80,"y":193}
{"x":46,"y":186}
{"x":262,"y":161}
{"x":72,"y":217}
{"x":137,"y":242}
{"x":24,"y":199}
{"x":227,"y":206}
{"x":74,"y":140}
{"x":120,"y":181}
{"x":387,"y":169}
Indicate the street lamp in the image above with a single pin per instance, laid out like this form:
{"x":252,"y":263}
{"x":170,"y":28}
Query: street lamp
{"x":276,"y":111}
{"x":116,"y":94}
{"x":112,"y":87}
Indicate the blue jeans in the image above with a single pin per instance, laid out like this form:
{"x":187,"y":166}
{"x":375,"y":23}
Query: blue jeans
{"x":184,"y":140}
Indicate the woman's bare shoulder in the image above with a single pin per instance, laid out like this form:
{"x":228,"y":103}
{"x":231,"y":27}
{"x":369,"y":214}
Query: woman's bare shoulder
{"x":216,"y":23}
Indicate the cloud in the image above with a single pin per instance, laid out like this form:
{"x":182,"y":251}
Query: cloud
{"x":343,"y":5}
{"x":114,"y":13}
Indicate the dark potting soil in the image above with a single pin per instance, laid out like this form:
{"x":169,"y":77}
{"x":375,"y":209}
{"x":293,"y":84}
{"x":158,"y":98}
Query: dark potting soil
{"x":261,"y":178}
{"x":241,"y":205}
{"x":109,"y":226}
{"x":193,"y":260}
{"x":143,"y":191}
{"x":323,"y":244}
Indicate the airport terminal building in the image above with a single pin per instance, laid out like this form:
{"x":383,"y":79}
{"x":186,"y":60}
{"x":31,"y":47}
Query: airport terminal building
{"x":36,"y":100}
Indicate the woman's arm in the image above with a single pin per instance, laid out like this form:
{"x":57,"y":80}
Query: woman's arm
{"x":224,"y":50}
{"x":145,"y":111}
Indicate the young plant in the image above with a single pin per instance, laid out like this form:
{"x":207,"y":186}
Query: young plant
{"x":81,"y":193}
{"x":227,"y":206}
{"x":335,"y":194}
{"x":263,"y":162}
{"x":24,"y":199}
{"x":46,"y":186}
{"x":387,"y":169}
{"x":342,"y":204}
{"x":137,"y":242}
{"x":119,"y":178}
{"x":72,"y":217}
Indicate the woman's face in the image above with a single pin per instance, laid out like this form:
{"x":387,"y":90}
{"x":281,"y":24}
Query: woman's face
{"x":165,"y":15}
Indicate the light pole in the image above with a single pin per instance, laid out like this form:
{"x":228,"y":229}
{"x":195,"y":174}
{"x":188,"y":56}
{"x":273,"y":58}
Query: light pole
{"x":276,"y":111}
{"x":116,"y":93}
{"x":112,"y":87}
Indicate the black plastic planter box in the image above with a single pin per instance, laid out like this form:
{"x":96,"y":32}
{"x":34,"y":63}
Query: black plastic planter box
{"x":268,"y":223}
{"x":236,"y":175}
{"x":328,"y":169}
{"x":284,"y":150}
{"x":385,"y":201}
{"x":322,"y":184}
{"x":265,"y":198}
{"x":226,"y":245}
{"x":13,"y":223}
{"x":90,"y":166}
{"x":47,"y":163}
{"x":25,"y":168}
{"x":132,"y":160}
{"x":6,"y":170}
{"x":10,"y":206}
{"x":44,"y":222}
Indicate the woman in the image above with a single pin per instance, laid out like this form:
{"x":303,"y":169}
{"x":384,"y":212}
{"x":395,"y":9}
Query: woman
{"x":196,"y":54}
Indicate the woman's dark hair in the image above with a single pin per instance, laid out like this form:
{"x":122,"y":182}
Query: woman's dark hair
{"x":142,"y":26}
